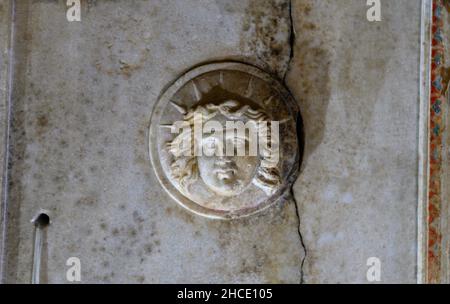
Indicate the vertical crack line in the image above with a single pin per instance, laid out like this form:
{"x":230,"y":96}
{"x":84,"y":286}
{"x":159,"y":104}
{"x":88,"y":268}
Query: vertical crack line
{"x":300,"y":236}
{"x":297,"y":209}
{"x":291,"y":40}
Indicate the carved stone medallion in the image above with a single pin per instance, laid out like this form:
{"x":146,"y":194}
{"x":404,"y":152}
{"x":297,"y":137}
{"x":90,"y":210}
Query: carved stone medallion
{"x":195,"y":170}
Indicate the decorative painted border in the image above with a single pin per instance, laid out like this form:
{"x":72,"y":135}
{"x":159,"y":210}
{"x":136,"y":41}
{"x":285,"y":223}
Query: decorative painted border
{"x":438,"y":90}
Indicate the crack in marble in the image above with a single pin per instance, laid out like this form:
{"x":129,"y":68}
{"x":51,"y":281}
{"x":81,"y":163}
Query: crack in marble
{"x":291,"y":41}
{"x":294,"y":200}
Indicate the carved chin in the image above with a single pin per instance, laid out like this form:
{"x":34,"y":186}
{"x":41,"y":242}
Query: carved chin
{"x":226,"y":187}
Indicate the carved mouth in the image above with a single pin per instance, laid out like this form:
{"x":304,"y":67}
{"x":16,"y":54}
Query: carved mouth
{"x":225,"y":169}
{"x":225,"y":174}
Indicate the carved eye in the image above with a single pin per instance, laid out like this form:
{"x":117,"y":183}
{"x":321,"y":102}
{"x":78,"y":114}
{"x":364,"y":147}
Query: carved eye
{"x":240,"y":142}
{"x":210,"y":146}
{"x":240,"y":146}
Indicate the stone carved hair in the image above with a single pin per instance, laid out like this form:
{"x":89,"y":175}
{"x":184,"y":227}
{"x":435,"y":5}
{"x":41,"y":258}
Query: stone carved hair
{"x":185,"y":168}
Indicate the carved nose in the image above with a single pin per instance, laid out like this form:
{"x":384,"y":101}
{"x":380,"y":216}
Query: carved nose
{"x":222,"y":161}
{"x":225,"y":163}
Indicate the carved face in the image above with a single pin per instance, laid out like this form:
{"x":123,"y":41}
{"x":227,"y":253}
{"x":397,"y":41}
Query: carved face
{"x":223,"y":175}
{"x":190,"y":118}
{"x":226,"y":175}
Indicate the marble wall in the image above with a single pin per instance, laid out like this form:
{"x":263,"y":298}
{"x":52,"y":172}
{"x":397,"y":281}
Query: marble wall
{"x":81,"y":99}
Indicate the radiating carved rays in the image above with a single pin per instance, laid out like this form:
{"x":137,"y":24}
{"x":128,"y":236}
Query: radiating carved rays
{"x":221,"y":79}
{"x":169,"y":127}
{"x":249,"y":92}
{"x":179,"y":108}
{"x":285,"y":120}
{"x":197,"y":93}
{"x":182,"y":110}
{"x":268,"y":100}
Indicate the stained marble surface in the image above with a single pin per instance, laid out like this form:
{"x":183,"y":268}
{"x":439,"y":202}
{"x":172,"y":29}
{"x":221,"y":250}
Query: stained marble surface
{"x":82,"y":97}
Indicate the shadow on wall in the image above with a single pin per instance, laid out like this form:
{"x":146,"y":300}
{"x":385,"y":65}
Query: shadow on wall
{"x":264,"y":36}
{"x":308,"y":77}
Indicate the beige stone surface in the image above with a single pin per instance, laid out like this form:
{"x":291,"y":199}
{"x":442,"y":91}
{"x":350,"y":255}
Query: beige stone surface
{"x":4,"y":89}
{"x":82,"y":99}
{"x":358,"y":87}
{"x":83,"y":93}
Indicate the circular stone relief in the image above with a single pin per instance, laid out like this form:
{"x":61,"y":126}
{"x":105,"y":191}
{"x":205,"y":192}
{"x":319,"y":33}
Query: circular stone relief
{"x":211,"y":98}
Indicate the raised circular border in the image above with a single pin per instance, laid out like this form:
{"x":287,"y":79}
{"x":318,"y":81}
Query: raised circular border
{"x":159,"y":108}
